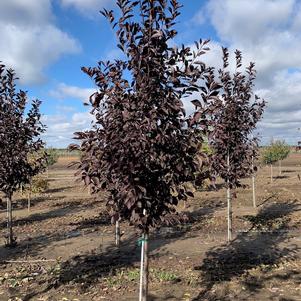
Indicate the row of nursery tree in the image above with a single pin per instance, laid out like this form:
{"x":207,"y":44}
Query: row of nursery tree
{"x":143,"y":146}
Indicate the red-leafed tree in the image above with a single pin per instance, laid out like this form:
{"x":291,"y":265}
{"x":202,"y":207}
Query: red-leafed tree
{"x":143,"y":147}
{"x":236,"y":116}
{"x":19,"y":139}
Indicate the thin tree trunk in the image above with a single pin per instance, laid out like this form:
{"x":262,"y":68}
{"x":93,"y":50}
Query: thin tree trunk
{"x":10,"y":238}
{"x":143,"y":290}
{"x":253,"y":184}
{"x":117,"y":233}
{"x":280,"y":168}
{"x":271,"y":173}
{"x":229,"y":205}
{"x":141,"y":270}
{"x":145,"y":268}
{"x":229,"y":214}
{"x":29,"y":199}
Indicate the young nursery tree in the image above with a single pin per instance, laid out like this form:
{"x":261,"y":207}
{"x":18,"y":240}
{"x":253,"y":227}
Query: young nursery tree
{"x":276,"y":151}
{"x":234,"y":148}
{"x":283,"y":151}
{"x":143,"y":146}
{"x":19,"y":137}
{"x":52,"y":156}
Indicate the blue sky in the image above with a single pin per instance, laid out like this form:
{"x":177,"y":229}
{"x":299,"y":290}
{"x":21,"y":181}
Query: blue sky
{"x":47,"y":41}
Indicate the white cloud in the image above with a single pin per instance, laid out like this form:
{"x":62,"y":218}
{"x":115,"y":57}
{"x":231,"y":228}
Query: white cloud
{"x":65,"y":91}
{"x":267,"y":32}
{"x":30,"y":41}
{"x":87,"y":7}
{"x":60,"y":128}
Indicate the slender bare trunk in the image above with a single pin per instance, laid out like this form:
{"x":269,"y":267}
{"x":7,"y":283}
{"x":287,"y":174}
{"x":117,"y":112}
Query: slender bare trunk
{"x":280,"y":168}
{"x":229,"y":204}
{"x":271,"y":173}
{"x":141,"y":270}
{"x":143,"y":290}
{"x":10,"y":238}
{"x":117,"y":233}
{"x":253,"y":184}
{"x":29,"y":199}
{"x":145,"y":268}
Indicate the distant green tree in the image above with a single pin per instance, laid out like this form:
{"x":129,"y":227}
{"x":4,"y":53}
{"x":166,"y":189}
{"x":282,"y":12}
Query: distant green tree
{"x":52,"y":156}
{"x":283,"y":151}
{"x":277,"y":151}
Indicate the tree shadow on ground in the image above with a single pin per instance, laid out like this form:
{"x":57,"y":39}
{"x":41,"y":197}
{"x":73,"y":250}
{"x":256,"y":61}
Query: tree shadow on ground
{"x":103,"y":218}
{"x":59,"y":189}
{"x":259,"y":246}
{"x":85,"y":270}
{"x":35,"y":200}
{"x":38,"y":217}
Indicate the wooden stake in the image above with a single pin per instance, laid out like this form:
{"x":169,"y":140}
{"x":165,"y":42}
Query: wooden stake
{"x":271,"y":173}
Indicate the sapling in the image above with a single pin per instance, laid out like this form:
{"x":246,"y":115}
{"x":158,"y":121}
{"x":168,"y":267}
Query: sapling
{"x":19,"y":137}
{"x":146,"y":147}
{"x":283,"y":151}
{"x":234,"y":149}
{"x":275,"y":152}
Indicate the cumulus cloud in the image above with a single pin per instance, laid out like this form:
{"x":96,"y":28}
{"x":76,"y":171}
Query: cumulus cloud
{"x":30,"y":41}
{"x":87,"y":7}
{"x":60,"y":129}
{"x":269,"y":33}
{"x":63,"y":91}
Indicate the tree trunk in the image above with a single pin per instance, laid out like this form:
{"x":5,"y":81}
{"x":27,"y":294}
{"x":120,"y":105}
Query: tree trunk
{"x":280,"y":168}
{"x":229,"y":205}
{"x":143,"y":292}
{"x":253,"y":184}
{"x":29,"y":199}
{"x":229,"y":214}
{"x":117,"y":233}
{"x":271,"y":173}
{"x":10,"y":238}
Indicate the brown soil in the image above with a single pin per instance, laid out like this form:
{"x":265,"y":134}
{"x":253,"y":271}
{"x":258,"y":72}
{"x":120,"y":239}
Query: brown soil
{"x":188,"y":262}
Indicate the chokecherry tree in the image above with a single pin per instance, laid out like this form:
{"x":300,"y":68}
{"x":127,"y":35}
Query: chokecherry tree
{"x":19,"y":139}
{"x":144,"y":147}
{"x":234,"y":148}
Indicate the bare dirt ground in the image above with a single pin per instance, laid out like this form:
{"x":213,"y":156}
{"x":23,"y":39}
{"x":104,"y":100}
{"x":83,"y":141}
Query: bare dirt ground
{"x":66,"y":249}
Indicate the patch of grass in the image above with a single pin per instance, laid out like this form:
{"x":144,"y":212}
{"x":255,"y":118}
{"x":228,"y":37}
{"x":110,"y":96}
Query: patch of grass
{"x":163,"y":275}
{"x":122,"y":276}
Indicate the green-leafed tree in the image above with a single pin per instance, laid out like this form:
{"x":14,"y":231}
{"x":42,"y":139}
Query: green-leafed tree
{"x":276,"y":152}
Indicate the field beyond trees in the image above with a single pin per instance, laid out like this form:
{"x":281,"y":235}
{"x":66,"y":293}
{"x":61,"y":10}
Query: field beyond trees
{"x":66,"y":247}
